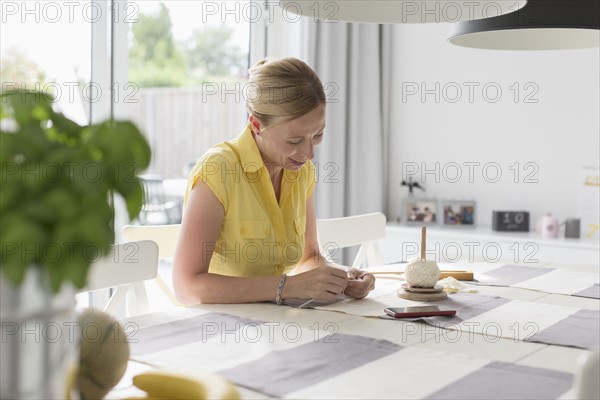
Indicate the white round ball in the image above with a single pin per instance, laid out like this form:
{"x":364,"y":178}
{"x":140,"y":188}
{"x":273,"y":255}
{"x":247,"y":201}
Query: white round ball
{"x":422,"y":273}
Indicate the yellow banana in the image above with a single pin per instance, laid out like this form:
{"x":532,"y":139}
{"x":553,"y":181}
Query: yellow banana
{"x":148,"y":397}
{"x":230,"y":392}
{"x":170,"y":385}
{"x":138,"y":398}
{"x":177,"y":385}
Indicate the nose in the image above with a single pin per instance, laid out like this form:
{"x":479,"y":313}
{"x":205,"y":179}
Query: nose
{"x":308,"y":150}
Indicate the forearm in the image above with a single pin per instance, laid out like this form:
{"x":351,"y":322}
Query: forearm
{"x":315,"y":260}
{"x":210,"y":288}
{"x":360,"y":283}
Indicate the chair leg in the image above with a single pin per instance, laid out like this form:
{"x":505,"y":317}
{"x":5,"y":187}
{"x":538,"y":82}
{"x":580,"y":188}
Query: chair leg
{"x":360,"y":256}
{"x":141,"y":299}
{"x":117,"y":298}
{"x":167,"y":290}
{"x":374,"y":255}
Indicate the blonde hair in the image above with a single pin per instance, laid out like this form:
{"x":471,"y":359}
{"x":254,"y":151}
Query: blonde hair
{"x":286,"y":87}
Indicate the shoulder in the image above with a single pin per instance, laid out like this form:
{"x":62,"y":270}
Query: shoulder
{"x":218,"y":163}
{"x":222,"y":152}
{"x":218,"y":168}
{"x":219,"y":157}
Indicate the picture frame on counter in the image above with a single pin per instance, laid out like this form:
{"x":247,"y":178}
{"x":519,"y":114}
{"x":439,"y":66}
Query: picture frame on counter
{"x":420,"y":211}
{"x":458,"y":213}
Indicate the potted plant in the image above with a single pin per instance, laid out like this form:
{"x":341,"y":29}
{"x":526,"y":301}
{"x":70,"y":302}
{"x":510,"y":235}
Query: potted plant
{"x":55,"y":219}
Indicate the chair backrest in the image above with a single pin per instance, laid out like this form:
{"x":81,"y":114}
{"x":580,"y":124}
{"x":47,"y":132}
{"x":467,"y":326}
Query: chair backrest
{"x":126,"y":267}
{"x":364,"y":230}
{"x":164,"y":235}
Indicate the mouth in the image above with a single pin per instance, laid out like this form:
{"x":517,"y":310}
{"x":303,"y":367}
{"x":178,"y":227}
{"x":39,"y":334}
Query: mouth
{"x":297,"y":163}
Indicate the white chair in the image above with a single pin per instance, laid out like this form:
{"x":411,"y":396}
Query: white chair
{"x":166,"y":237}
{"x":364,"y":230}
{"x":156,"y":209}
{"x":126,"y":267}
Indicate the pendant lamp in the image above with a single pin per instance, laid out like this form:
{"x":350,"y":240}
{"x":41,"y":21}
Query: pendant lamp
{"x":398,"y":11}
{"x":540,"y":25}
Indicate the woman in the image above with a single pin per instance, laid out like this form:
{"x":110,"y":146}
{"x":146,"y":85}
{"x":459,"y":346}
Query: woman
{"x":249,"y":215}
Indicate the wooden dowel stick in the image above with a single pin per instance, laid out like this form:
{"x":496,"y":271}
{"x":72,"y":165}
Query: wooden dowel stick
{"x":423,"y":242}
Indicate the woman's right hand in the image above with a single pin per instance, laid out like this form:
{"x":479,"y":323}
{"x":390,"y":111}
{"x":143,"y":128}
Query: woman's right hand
{"x":321,"y":283}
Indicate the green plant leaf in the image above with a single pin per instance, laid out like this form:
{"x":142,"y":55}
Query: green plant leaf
{"x":63,"y":202}
{"x":134,"y":198}
{"x":56,"y":177}
{"x":139,"y":147}
{"x":28,"y":106}
{"x":12,"y":189}
{"x":77,"y":270}
{"x":13,"y":268}
{"x":36,"y":209}
{"x":66,"y":126}
{"x":23,"y":243}
{"x":120,"y":143}
{"x":28,"y":147}
{"x":56,"y":272}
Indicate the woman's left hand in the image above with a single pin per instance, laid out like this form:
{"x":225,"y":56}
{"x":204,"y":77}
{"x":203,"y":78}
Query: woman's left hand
{"x":360,"y":283}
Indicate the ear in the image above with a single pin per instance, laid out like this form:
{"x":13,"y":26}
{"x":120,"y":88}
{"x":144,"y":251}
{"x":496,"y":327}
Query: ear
{"x":255,"y":124}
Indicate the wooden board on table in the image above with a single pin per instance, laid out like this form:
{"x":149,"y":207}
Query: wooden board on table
{"x":461,"y":275}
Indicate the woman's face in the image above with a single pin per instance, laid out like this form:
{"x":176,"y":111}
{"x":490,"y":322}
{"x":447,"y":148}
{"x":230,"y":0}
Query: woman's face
{"x":290,"y":144}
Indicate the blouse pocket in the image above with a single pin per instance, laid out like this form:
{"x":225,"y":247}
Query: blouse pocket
{"x":294,"y":249}
{"x":253,"y":229}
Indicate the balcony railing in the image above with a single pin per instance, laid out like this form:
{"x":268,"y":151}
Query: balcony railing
{"x":182,"y":123}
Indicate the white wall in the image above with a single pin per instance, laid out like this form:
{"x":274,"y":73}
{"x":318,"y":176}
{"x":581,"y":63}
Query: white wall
{"x":559,"y":134}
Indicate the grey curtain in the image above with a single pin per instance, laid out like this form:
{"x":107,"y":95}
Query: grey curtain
{"x":353,"y":62}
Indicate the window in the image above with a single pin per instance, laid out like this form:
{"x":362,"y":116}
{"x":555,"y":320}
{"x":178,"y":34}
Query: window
{"x":176,"y":68}
{"x":46,"y":46}
{"x":173,"y":67}
{"x":187,"y":64}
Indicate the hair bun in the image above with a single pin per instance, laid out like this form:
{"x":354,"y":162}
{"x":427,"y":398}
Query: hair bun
{"x":285,"y":87}
{"x":254,"y":69}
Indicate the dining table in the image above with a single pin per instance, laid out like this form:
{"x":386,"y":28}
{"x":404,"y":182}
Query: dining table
{"x":520,"y":332}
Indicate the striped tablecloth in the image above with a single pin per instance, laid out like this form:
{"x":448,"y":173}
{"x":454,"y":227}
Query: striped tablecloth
{"x":544,"y":279}
{"x":276,"y":360}
{"x":351,"y":349}
{"x":489,"y":315}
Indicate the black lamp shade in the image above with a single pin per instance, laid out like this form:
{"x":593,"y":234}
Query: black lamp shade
{"x":540,"y":25}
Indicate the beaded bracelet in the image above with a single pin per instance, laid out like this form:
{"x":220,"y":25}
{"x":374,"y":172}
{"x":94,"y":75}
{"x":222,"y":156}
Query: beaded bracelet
{"x":278,"y":298}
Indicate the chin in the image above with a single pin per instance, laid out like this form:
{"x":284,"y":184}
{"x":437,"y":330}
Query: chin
{"x":294,"y":167}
